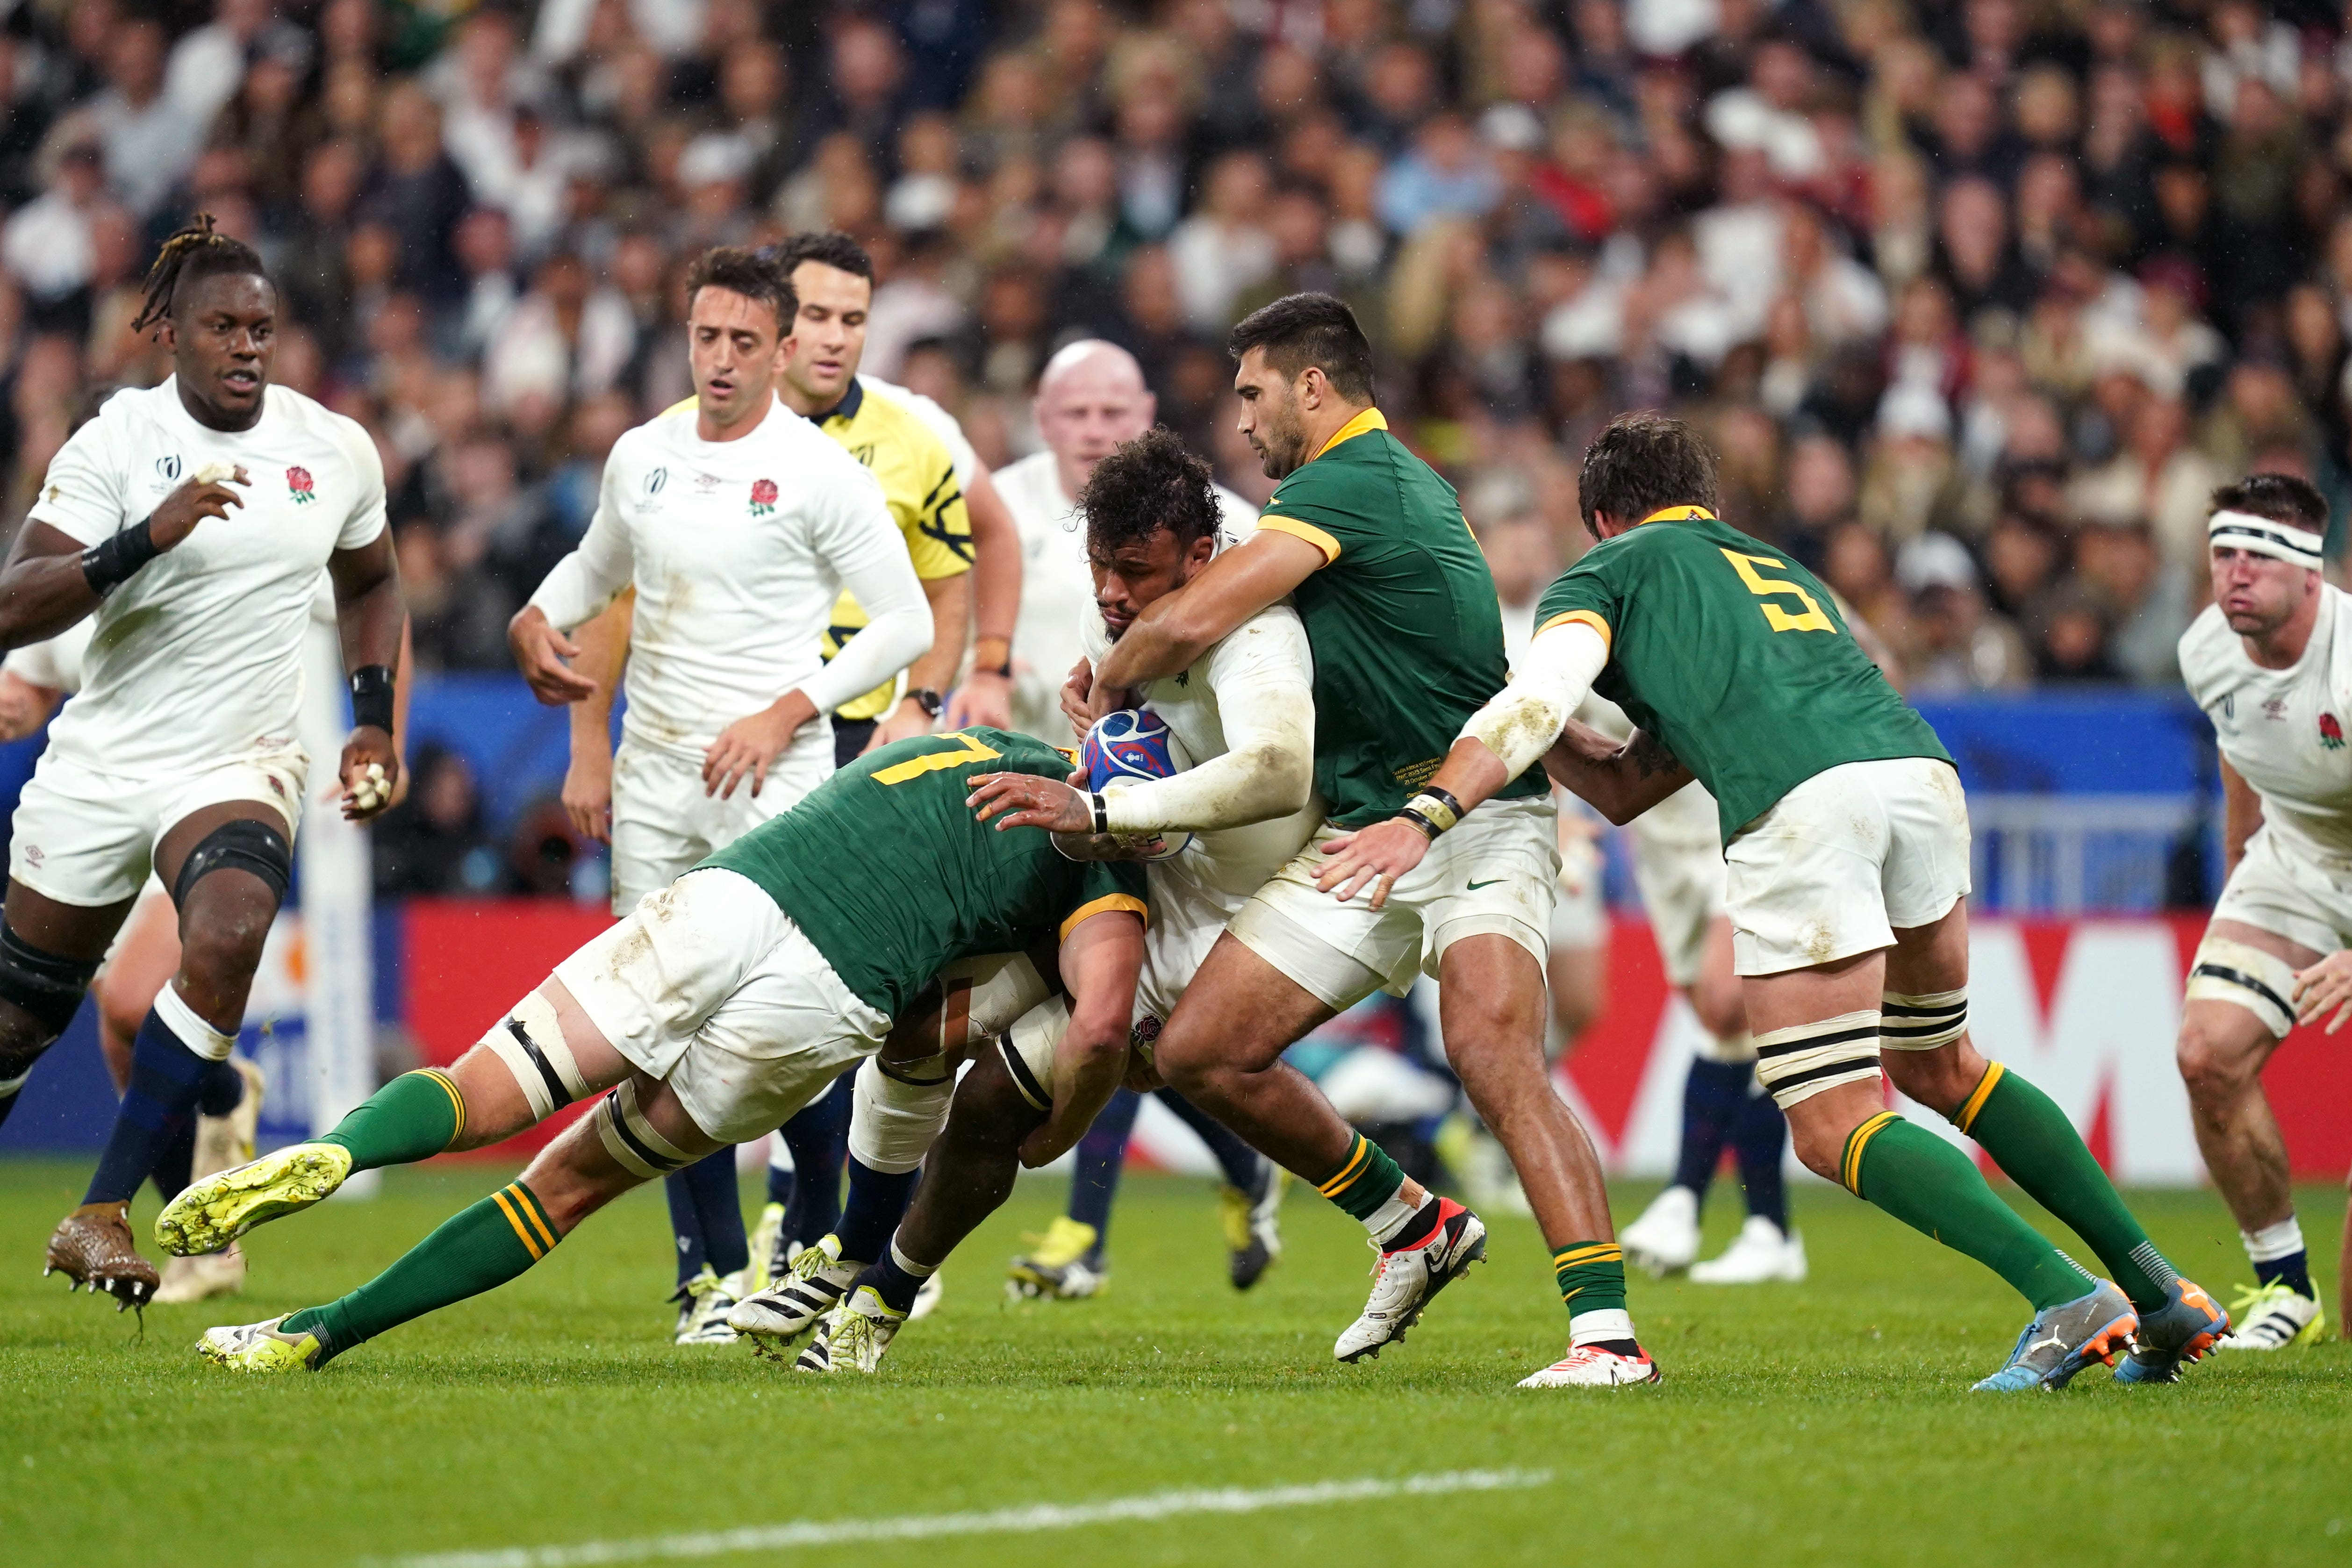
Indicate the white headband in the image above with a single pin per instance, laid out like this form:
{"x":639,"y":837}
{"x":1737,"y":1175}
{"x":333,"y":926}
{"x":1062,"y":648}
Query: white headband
{"x":2264,"y":536}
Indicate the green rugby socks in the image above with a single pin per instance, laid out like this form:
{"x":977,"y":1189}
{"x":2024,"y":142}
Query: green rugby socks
{"x":414,"y":1117}
{"x":1934,"y":1189}
{"x":477,"y":1250}
{"x":1366,"y":1185}
{"x":2031,"y":1140}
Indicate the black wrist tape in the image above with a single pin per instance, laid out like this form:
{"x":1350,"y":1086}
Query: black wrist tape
{"x":1427,"y":827}
{"x":1102,"y":813}
{"x":372,"y":697}
{"x":114,"y":560}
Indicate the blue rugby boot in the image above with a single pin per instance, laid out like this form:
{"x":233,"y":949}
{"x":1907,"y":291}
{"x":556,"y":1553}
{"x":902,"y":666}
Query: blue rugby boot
{"x":2185,"y":1328}
{"x":2065,"y":1339}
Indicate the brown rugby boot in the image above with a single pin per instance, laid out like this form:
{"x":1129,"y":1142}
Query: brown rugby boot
{"x":92,"y":1247}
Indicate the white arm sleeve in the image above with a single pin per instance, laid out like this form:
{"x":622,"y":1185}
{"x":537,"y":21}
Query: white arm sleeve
{"x":1266,"y":702}
{"x":1522,"y":720}
{"x":860,"y":539}
{"x":599,"y":567}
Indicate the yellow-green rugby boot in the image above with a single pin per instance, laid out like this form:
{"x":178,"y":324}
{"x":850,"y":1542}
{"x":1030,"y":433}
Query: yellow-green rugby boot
{"x":215,"y":1210}
{"x":260,"y":1347}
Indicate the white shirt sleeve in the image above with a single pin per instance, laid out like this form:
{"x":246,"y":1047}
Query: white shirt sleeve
{"x":82,"y":497}
{"x":1522,"y":720}
{"x":366,"y":522}
{"x":1265,"y":703}
{"x":858,"y":537}
{"x":599,"y":567}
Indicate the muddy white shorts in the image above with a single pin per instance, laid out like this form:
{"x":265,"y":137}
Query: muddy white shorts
{"x":664,"y":821}
{"x":1844,"y":861}
{"x":710,"y":987}
{"x":88,"y":838}
{"x":1494,"y":875}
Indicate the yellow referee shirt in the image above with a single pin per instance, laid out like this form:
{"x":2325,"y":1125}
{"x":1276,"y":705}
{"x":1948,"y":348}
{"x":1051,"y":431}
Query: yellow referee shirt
{"x":918,"y":482}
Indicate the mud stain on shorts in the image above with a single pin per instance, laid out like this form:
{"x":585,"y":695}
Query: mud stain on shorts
{"x":1817,"y":941}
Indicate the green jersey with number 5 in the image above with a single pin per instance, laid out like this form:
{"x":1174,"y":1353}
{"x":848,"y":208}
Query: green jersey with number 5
{"x":1735,"y":657}
{"x":886,"y":871}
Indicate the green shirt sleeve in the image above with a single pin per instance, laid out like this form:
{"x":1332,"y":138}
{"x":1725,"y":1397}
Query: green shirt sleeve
{"x":1107,"y":885}
{"x":1589,"y":591}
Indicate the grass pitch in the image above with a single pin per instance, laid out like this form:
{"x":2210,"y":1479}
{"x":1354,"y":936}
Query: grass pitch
{"x":1830,"y":1422}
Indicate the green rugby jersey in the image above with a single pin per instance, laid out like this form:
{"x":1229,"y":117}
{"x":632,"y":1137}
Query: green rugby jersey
{"x":885,"y":869}
{"x":1403,"y":617}
{"x":1736,"y":657}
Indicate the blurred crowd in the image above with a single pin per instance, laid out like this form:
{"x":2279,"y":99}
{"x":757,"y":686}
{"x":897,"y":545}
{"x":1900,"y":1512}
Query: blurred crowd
{"x":1975,"y":298}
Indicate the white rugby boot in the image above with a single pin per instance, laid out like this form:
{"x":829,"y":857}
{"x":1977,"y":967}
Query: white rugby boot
{"x":2273,"y":1317}
{"x":1664,"y":1239}
{"x":1405,"y":1280}
{"x":703,"y":1304}
{"x":1760,"y":1255}
{"x":1591,"y":1366}
{"x":811,"y":1288}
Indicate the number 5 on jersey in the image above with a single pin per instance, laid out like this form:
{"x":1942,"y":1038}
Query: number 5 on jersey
{"x":1814,"y":619}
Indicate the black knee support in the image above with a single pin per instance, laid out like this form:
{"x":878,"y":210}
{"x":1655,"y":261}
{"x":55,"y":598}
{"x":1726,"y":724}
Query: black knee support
{"x":43,"y":983}
{"x":246,"y":844}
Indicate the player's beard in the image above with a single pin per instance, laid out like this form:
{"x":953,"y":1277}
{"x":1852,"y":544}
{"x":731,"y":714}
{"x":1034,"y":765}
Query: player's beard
{"x":1283,"y":444}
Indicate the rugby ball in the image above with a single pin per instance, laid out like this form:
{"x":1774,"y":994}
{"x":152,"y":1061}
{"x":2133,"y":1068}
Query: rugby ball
{"x":1129,"y":746}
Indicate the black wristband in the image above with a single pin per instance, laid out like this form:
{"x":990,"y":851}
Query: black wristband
{"x":113,"y":560}
{"x":1427,"y":827}
{"x":1452,"y":804}
{"x":372,"y":697}
{"x":929,"y":701}
{"x":1102,"y":813}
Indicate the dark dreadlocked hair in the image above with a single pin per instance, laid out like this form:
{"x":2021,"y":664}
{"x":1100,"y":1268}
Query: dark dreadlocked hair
{"x":197,"y":251}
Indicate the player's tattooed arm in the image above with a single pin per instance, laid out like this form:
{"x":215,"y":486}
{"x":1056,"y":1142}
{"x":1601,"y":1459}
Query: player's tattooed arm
{"x":51,"y":581}
{"x":1619,"y":780}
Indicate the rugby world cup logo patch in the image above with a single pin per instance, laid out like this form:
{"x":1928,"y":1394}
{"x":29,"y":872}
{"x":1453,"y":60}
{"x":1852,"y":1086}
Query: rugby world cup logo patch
{"x":302,"y":487}
{"x":2331,"y":733}
{"x":763,"y":497}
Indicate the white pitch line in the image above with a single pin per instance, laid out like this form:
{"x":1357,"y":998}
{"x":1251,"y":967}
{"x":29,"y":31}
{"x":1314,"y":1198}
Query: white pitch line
{"x":1000,"y":1522}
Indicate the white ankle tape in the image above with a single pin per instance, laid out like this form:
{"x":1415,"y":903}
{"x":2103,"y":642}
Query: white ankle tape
{"x":530,"y":1041}
{"x":1729,"y":1048}
{"x":919,"y":1270}
{"x":2260,"y":982}
{"x":631,"y":1140}
{"x":892,"y":1122}
{"x":2273,"y":1242}
{"x":1800,"y":1062}
{"x":1592,"y":1328}
{"x":1922,"y":1022}
{"x":191,"y":1031}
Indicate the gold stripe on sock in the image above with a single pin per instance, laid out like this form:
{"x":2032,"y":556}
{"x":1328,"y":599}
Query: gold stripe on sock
{"x":456,"y":1100}
{"x":522,"y":1232}
{"x":1850,"y":1170}
{"x":1599,"y":1252}
{"x":528,"y":1201}
{"x":1356,"y":1157}
{"x":1966,"y":1117}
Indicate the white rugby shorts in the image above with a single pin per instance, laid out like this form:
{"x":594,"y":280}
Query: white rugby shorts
{"x":2291,"y":888}
{"x":664,"y":822}
{"x":1495,"y":873}
{"x":710,"y":987}
{"x":1682,"y":882}
{"x":1844,"y":861}
{"x":88,"y":838}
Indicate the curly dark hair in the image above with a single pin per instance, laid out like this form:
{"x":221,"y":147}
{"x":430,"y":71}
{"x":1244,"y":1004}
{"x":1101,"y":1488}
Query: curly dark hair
{"x":1302,"y":330}
{"x":747,"y":273}
{"x":197,"y":251}
{"x":835,"y":250}
{"x":1148,"y":484}
{"x":2281,"y":497}
{"x":1642,"y":461}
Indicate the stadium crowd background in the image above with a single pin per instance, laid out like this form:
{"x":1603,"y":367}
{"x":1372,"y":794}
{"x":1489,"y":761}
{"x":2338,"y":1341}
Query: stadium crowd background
{"x":1976,"y":301}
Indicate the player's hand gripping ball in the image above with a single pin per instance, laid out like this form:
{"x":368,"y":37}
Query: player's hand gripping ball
{"x":1126,"y":746}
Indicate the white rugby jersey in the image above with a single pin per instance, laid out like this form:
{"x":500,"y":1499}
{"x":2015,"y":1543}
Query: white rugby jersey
{"x":2282,"y":730}
{"x":738,"y":550}
{"x":198,"y":658}
{"x":55,"y":661}
{"x":1057,"y":588}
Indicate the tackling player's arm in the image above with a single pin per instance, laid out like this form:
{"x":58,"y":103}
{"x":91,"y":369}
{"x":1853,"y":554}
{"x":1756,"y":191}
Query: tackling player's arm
{"x":2241,"y":814}
{"x":52,"y":579}
{"x":1181,"y":626}
{"x":604,"y":643}
{"x":373,"y":620}
{"x":986,"y":695}
{"x":1102,"y":952}
{"x":1621,"y":780}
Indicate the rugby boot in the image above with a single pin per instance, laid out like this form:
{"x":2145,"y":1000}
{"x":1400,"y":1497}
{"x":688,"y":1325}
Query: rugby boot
{"x":1063,"y":1265}
{"x":92,"y":1247}
{"x":1407,"y":1277}
{"x":2185,"y":1328}
{"x":703,"y":1304}
{"x":216,"y":1210}
{"x":2063,"y":1340}
{"x":1591,"y":1367}
{"x":1664,"y":1239}
{"x":1759,"y":1254}
{"x":788,"y":1309}
{"x":855,"y":1335}
{"x":261,"y":1347}
{"x":1251,"y":1219}
{"x":2274,"y":1316}
{"x":772,"y":1253}
{"x":224,"y":1143}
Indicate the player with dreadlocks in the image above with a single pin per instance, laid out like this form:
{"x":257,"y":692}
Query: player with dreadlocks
{"x":191,"y":520}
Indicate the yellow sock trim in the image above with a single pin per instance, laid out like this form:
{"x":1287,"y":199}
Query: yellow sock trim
{"x":1966,"y":1117}
{"x":457,"y":1099}
{"x":1358,"y":1154}
{"x":528,"y":1201}
{"x":1849,"y":1169}
{"x":509,"y":1207}
{"x":1599,"y":1252}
